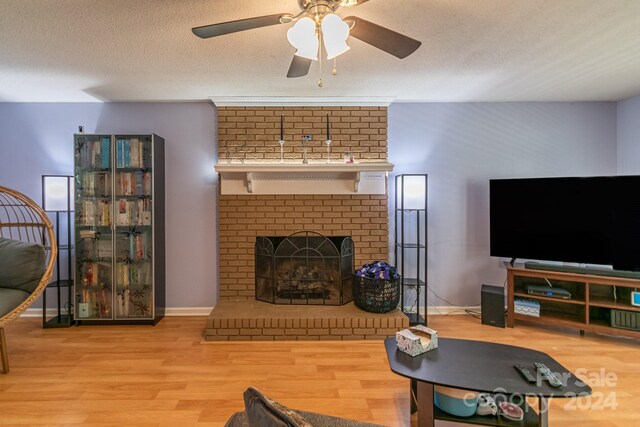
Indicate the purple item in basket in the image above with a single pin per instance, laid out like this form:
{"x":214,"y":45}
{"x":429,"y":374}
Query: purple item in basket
{"x":378,"y":270}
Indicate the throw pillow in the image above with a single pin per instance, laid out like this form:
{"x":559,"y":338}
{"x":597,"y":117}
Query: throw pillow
{"x":264,"y":412}
{"x":22,"y":264}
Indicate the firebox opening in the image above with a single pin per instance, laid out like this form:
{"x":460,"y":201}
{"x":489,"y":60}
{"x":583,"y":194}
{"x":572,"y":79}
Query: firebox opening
{"x":304,"y":268}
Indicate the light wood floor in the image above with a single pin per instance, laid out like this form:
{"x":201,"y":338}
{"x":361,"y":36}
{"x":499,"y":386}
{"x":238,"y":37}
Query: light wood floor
{"x":167,"y":376}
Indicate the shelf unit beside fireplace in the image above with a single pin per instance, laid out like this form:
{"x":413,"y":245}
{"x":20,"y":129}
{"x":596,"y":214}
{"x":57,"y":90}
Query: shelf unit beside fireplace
{"x":410,"y":248}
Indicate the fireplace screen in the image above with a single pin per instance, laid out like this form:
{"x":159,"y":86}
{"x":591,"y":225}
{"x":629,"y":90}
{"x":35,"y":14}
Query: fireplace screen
{"x":304,"y":268}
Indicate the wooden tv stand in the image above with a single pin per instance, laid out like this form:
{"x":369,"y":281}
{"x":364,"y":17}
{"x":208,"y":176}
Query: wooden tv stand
{"x":592,"y":298}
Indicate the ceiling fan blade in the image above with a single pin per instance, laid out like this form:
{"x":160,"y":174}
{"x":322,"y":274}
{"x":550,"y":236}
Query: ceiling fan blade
{"x":349,"y":3}
{"x":383,"y":38}
{"x":222,"y":28}
{"x":299,"y":66}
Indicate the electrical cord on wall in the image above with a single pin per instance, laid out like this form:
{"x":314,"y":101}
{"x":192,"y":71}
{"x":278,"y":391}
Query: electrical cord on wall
{"x":461,"y":308}
{"x":449,"y":302}
{"x":440,"y":313}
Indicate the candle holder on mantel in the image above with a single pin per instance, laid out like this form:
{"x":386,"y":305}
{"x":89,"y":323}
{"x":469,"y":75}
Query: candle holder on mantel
{"x":328,"y":142}
{"x":281,"y":138}
{"x":281,"y":150}
{"x":305,"y":141}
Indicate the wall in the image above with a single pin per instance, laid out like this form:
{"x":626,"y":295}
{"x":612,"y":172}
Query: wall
{"x":37,"y":139}
{"x":462,"y":146}
{"x":629,"y":136}
{"x":253,"y":131}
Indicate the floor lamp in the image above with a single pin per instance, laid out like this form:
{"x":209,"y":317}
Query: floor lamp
{"x":57,"y":198}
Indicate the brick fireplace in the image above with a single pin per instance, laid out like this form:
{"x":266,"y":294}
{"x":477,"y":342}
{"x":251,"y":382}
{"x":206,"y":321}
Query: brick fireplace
{"x":251,"y":134}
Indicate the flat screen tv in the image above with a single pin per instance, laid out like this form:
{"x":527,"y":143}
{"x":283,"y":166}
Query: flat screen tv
{"x":591,"y":220}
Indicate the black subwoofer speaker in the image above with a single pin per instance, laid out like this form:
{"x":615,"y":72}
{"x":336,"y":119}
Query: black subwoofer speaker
{"x":492,"y":305}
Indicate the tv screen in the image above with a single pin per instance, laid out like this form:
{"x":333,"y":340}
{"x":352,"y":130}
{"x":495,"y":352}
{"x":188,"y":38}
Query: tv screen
{"x":593,"y":220}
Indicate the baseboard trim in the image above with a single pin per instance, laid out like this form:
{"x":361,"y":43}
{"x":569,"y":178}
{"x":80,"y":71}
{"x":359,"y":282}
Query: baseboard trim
{"x":443,"y":310}
{"x":169,"y":312}
{"x":187,"y":311}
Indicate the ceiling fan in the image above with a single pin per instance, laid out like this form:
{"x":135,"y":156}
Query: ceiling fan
{"x":318,"y":25}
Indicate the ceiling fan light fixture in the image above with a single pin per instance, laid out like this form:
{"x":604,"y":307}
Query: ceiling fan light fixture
{"x":334,"y":34}
{"x":303,"y":37}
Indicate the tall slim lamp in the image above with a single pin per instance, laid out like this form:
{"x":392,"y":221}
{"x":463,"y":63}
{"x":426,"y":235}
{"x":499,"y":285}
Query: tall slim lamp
{"x":410,"y":247}
{"x":57,"y":198}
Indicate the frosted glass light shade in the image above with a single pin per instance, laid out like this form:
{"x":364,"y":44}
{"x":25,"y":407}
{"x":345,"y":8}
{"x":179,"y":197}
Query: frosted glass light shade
{"x":334,"y":33}
{"x":413,"y":189}
{"x":303,"y":37}
{"x":56,"y":193}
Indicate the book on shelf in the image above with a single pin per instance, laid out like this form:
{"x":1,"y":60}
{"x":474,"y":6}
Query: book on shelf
{"x":119,"y":153}
{"x":139,"y":183}
{"x":132,"y":274}
{"x":133,"y":246}
{"x":87,"y":183}
{"x":132,"y":153}
{"x":105,"y":217}
{"x":147,"y":182}
{"x":88,"y":213}
{"x":122,"y":218}
{"x":105,"y":147}
{"x":95,"y":183}
{"x":104,"y":248}
{"x":103,"y":185}
{"x":133,"y":212}
{"x":91,"y":276}
{"x":94,"y":153}
{"x":127,"y":153}
{"x":125,"y":183}
{"x":124,"y":276}
{"x":136,"y":153}
{"x":136,"y":183}
{"x":146,"y":212}
{"x":87,"y":234}
{"x":146,"y":155}
{"x":84,"y":153}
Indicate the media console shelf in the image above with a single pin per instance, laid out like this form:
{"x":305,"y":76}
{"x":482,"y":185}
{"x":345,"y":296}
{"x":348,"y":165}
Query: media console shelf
{"x":593,"y":296}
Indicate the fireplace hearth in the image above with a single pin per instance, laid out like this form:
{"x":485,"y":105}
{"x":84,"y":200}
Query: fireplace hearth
{"x":304,"y":268}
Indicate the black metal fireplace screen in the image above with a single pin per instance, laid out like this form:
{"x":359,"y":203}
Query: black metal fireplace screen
{"x":304,"y":268}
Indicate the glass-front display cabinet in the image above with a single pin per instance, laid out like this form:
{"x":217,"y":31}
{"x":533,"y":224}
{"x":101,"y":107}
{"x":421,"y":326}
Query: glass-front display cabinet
{"x":119,"y":220}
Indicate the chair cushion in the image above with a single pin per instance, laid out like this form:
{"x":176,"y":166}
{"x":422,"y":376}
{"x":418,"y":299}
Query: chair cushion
{"x":264,"y":412}
{"x":10,"y":299}
{"x":321,"y":420}
{"x":22,"y":264}
{"x":239,"y":419}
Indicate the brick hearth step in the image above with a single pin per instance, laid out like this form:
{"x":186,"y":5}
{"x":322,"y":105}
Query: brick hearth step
{"x":248,"y":320}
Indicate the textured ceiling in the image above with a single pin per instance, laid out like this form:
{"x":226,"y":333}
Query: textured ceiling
{"x":473,"y":50}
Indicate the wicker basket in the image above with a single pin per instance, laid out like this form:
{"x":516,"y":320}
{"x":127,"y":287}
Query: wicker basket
{"x":376,"y":295}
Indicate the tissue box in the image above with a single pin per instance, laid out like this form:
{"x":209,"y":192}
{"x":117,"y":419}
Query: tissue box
{"x":417,"y":340}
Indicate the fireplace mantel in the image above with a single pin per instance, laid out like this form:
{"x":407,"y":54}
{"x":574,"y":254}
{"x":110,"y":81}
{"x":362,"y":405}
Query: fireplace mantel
{"x":298,"y":178}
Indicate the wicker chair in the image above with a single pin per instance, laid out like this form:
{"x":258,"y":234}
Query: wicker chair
{"x":25,"y":226}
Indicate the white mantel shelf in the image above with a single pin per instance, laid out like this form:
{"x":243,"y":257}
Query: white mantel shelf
{"x":298,"y":178}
